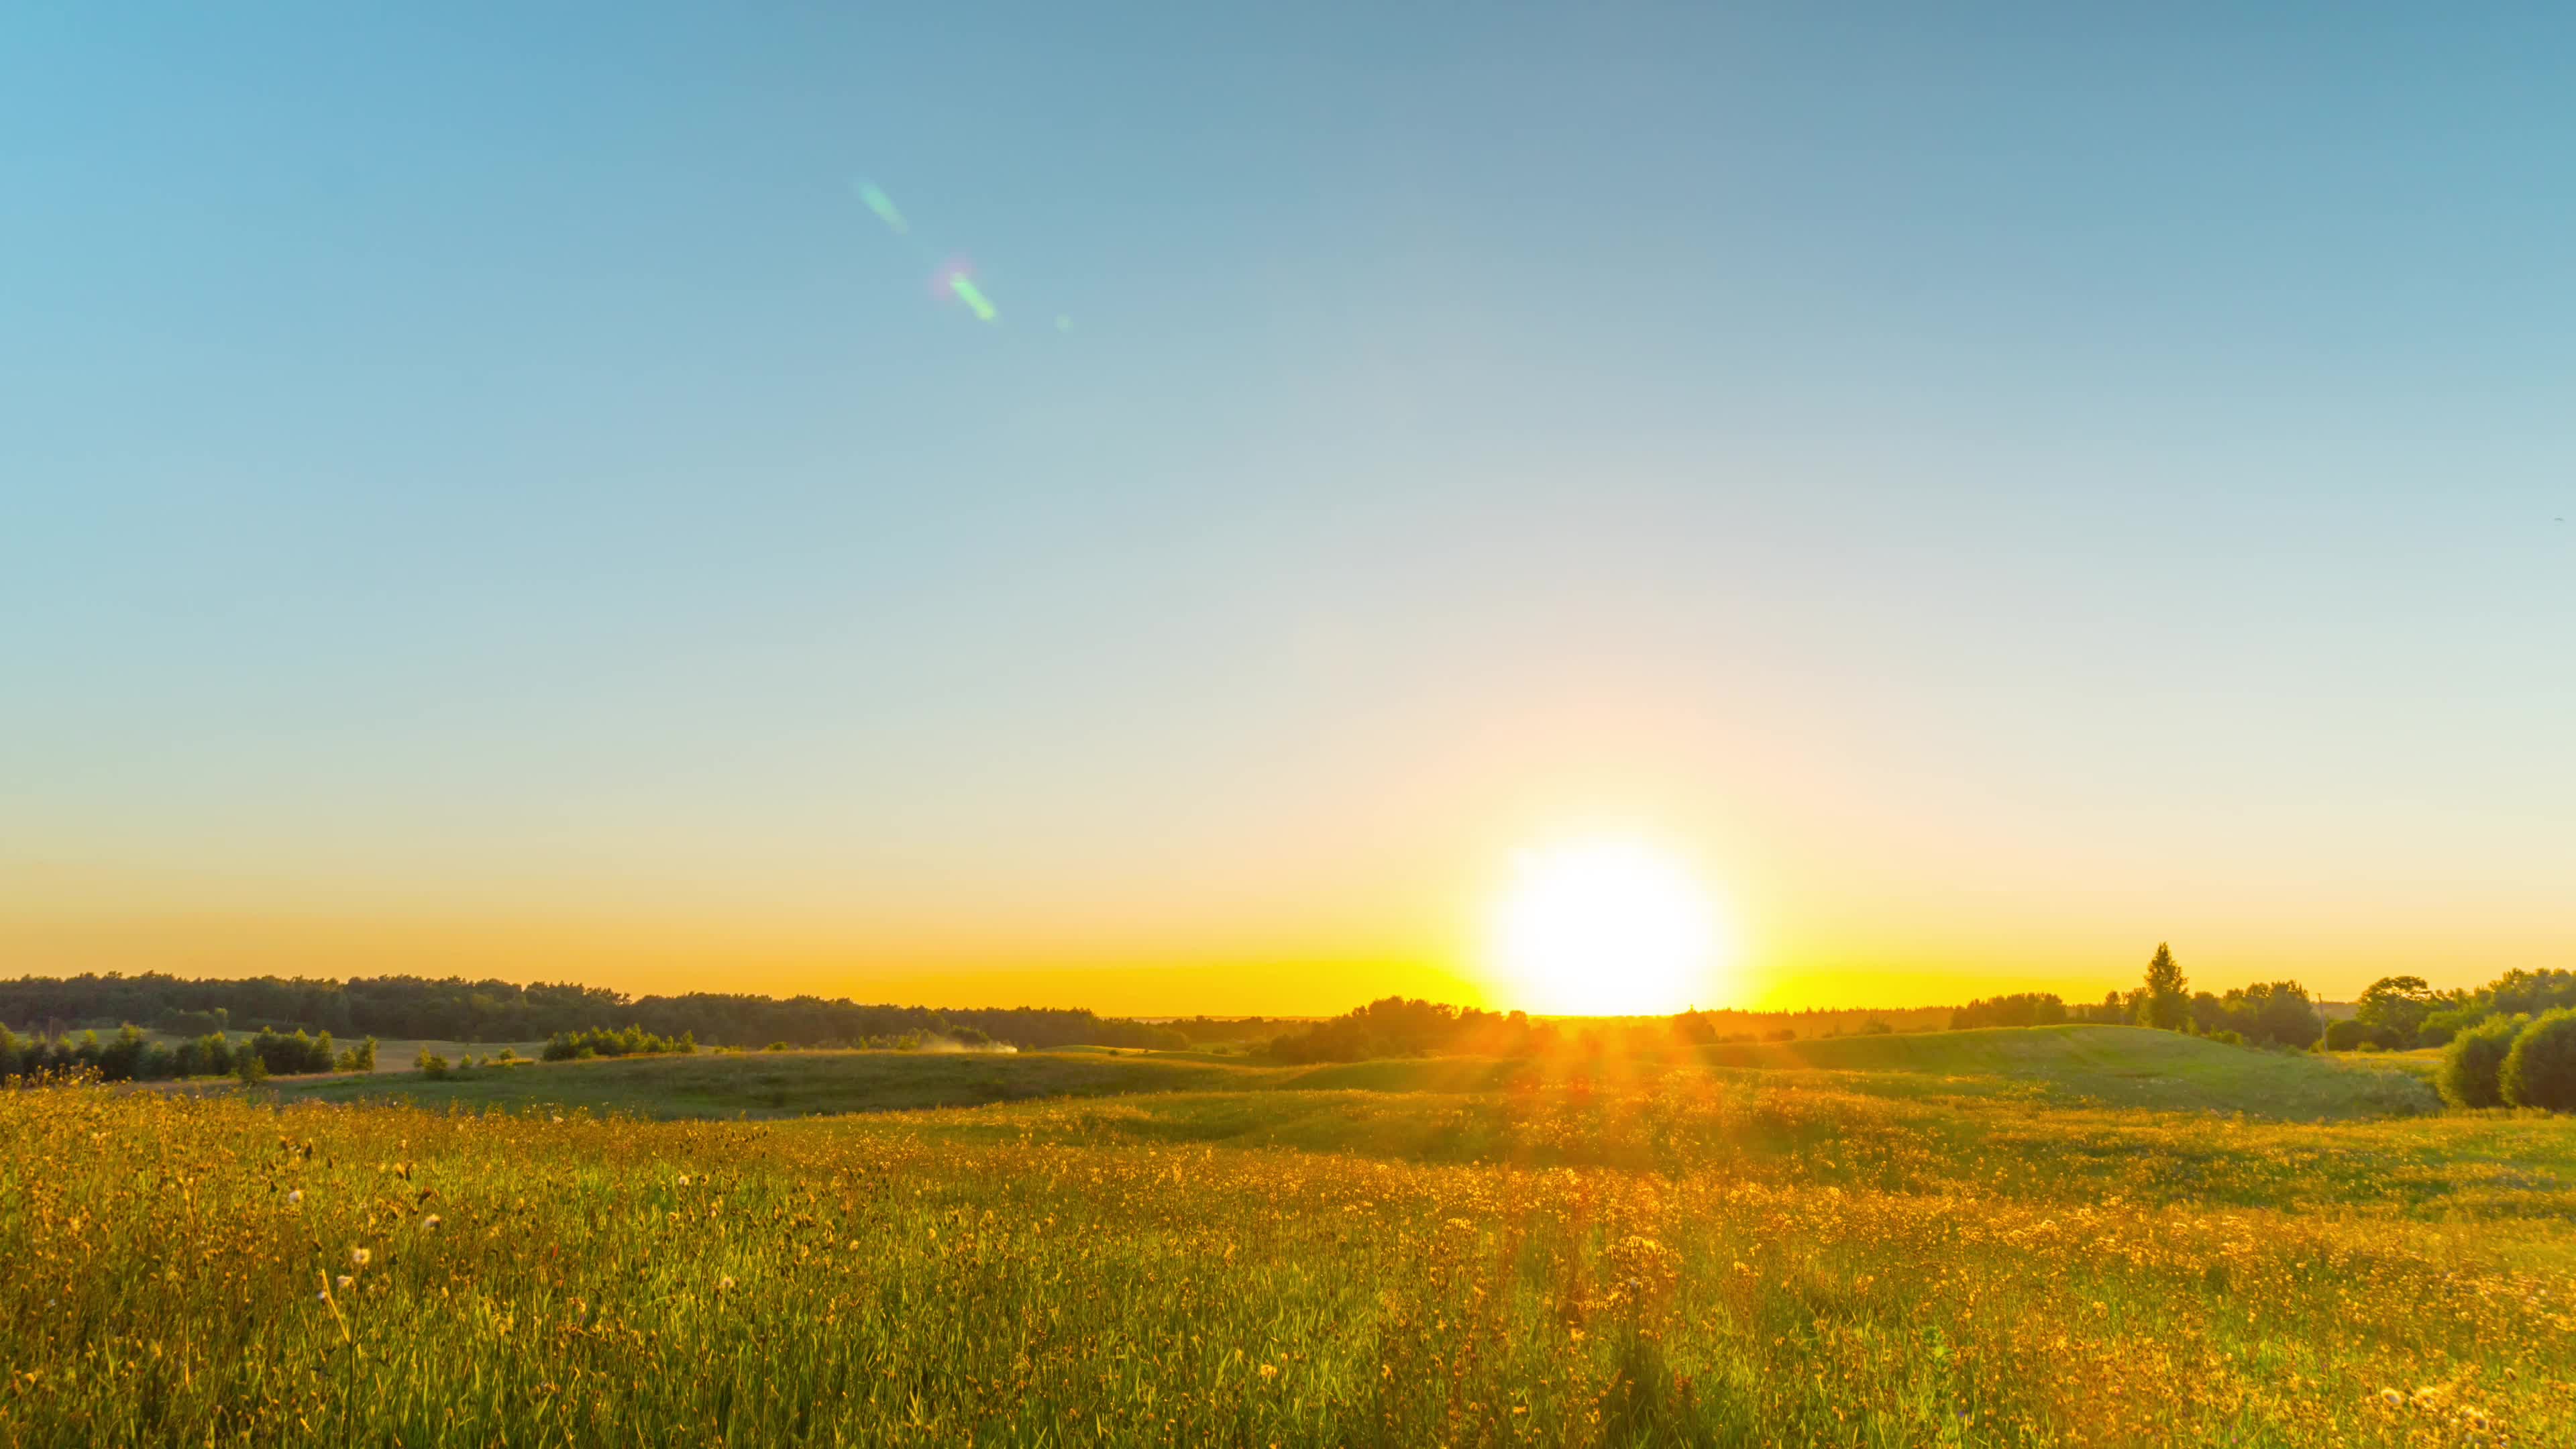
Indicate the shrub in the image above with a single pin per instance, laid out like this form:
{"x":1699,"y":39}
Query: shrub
{"x":433,"y":1066}
{"x":210,"y":1055}
{"x":250,"y":1068}
{"x":2227,"y":1038}
{"x":2441,"y":1026}
{"x":607,"y":1042}
{"x":2345,"y":1036}
{"x":297,"y":1053}
{"x":2473,"y":1064}
{"x":2540,"y":1071}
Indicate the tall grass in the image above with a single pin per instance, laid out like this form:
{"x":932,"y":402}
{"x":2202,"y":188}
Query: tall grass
{"x":209,"y":1270}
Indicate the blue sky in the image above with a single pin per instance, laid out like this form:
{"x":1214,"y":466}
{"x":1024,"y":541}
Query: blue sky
{"x":2004,"y":485}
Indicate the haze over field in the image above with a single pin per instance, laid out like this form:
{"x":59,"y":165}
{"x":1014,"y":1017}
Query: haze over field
{"x":1177,"y":514}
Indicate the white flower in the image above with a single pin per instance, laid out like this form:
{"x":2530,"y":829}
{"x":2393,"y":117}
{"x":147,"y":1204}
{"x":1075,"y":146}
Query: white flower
{"x":430,"y":1222}
{"x":344,"y":1281}
{"x":296,"y":1196}
{"x":360,"y":1257}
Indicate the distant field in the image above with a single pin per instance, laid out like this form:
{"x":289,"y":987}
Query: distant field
{"x":1963,"y":1240}
{"x":777,"y":1084}
{"x":2065,"y":1066}
{"x":2423,"y":1065}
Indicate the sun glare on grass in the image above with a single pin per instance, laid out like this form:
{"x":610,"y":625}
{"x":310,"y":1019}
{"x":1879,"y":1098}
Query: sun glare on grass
{"x":1608,"y":927}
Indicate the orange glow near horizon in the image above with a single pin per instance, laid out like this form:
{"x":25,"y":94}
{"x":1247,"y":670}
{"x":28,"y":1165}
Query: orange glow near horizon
{"x":1237,"y":957}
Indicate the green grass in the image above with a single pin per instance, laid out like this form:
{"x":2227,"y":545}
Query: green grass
{"x":774,"y":1084}
{"x":2423,"y":1064}
{"x":1734,"y":1252}
{"x":2061,"y":1066}
{"x":2119,"y":1066}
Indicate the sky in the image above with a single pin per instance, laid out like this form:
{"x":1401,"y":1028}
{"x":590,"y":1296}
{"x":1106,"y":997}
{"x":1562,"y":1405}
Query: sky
{"x":1988,"y":487}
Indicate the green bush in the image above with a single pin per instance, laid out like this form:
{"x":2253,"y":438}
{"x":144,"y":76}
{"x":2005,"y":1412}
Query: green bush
{"x":2441,"y":1026}
{"x":2540,"y":1071}
{"x":605,"y":1042}
{"x":2473,"y":1064}
{"x":2346,"y":1035}
{"x":433,"y":1066}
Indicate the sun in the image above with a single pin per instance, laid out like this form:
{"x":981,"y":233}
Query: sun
{"x":1605,"y":927}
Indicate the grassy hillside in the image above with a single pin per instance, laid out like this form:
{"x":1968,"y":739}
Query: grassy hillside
{"x":2120,"y":1066}
{"x":2061,"y":1066}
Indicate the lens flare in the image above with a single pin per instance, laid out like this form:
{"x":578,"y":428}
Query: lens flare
{"x":883,"y":205}
{"x":952,"y":280}
{"x":966,"y":292}
{"x":955,"y":281}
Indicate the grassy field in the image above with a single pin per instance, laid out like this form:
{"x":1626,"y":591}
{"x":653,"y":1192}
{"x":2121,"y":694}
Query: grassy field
{"x":2423,"y":1064}
{"x":1882,"y":1242}
{"x":2071,"y":1065}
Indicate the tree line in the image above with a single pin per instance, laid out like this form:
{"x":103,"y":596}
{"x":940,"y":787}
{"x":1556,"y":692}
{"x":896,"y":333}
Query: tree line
{"x":2266,"y":1013}
{"x":130,"y":1056}
{"x":1399,"y":1027}
{"x":455,"y":1009}
{"x":2396,"y":1013}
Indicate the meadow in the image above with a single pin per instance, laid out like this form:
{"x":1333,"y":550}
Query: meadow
{"x":2073,"y":1236}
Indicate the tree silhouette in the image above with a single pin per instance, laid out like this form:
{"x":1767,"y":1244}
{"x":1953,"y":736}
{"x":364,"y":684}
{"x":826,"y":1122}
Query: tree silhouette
{"x":2166,"y":1003}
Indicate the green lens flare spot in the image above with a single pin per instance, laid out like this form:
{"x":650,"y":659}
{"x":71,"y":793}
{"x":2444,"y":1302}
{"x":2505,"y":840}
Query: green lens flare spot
{"x":883,"y":205}
{"x":973,"y":296}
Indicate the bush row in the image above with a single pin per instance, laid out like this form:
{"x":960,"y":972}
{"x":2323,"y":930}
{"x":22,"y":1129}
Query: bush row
{"x":2513,"y":1061}
{"x":129,"y":1056}
{"x":601,"y":1041}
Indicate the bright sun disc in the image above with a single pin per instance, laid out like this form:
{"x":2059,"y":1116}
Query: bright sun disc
{"x":1605,"y":928}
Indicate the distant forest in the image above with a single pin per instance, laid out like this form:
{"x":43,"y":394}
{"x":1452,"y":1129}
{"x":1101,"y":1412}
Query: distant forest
{"x":455,"y":1009}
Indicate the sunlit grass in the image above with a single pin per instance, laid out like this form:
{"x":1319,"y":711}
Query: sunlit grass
{"x":1755,"y":1260}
